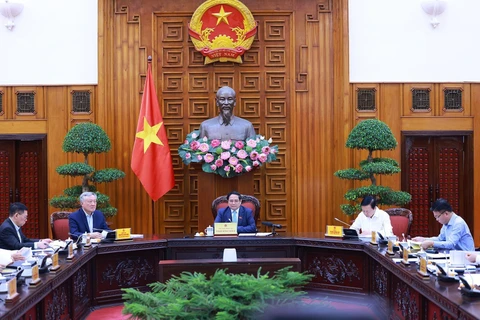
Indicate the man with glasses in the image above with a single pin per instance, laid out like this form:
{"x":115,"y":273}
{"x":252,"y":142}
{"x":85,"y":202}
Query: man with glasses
{"x":11,"y":235}
{"x":454,"y":235}
{"x":88,"y":219}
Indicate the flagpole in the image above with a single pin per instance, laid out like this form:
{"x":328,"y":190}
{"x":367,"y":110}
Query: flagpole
{"x":152,"y":212}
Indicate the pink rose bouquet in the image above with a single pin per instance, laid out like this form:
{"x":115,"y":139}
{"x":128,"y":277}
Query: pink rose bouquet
{"x":227,"y":158}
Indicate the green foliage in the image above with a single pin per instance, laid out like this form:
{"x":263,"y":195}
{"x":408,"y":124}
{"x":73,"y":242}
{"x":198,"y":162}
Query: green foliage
{"x":86,"y":138}
{"x":390,"y":161}
{"x":352,"y":174}
{"x":107,"y":175}
{"x":222,"y":296}
{"x":76,"y":191}
{"x":380,"y":168}
{"x":75,"y":169}
{"x":64,"y":202}
{"x":372,"y":135}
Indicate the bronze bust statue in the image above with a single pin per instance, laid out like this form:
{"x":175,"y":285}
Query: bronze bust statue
{"x":226,"y":126}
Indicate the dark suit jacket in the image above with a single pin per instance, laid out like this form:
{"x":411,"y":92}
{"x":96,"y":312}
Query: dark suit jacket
{"x":9,"y":238}
{"x":246,"y":222}
{"x":77,"y":222}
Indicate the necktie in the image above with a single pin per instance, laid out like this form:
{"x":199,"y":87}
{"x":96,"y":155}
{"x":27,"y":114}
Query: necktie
{"x":235,"y":216}
{"x":19,"y":236}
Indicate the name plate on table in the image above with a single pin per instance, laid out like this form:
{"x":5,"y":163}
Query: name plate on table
{"x":225,"y":229}
{"x":12,"y":294}
{"x":35,"y":276}
{"x":422,"y":271}
{"x":405,"y":257}
{"x":55,"y":266}
{"x":70,"y":251}
{"x":390,"y":247}
{"x":334,"y":231}
{"x":123,"y":234}
{"x":373,"y":240}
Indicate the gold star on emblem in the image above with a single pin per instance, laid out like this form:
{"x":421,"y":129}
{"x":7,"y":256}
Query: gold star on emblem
{"x":149,"y":134}
{"x":222,"y":16}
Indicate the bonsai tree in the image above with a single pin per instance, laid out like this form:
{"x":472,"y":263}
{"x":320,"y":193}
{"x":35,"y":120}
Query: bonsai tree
{"x":372,"y":135}
{"x":86,"y":138}
{"x":220,"y":296}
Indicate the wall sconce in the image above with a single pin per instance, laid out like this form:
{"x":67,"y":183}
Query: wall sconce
{"x":434,"y":8}
{"x":10,"y":10}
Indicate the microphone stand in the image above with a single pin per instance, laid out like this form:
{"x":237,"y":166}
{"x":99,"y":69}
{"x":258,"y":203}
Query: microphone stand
{"x":274,"y":233}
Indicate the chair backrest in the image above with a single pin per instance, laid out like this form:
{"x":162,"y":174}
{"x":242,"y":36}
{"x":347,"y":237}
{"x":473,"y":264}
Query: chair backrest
{"x":249,"y":202}
{"x":59,"y":223}
{"x":401,"y":220}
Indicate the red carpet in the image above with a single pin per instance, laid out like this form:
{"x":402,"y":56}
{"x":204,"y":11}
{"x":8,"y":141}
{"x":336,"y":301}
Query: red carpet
{"x":108,"y":313}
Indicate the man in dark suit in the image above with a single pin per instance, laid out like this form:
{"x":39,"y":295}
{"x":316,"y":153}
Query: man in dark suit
{"x":235,"y":212}
{"x":88,"y":219}
{"x":11,"y":235}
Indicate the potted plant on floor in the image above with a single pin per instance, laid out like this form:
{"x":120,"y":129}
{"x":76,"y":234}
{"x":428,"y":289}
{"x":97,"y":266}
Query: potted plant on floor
{"x":86,"y":138}
{"x":221,"y":296}
{"x":372,"y":135}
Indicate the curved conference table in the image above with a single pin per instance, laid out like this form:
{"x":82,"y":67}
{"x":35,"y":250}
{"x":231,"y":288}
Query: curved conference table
{"x":96,"y":276}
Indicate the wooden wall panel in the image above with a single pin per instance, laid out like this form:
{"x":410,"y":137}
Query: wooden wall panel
{"x":121,"y":93}
{"x":475,"y":102}
{"x":296,"y":90}
{"x":314,"y":115}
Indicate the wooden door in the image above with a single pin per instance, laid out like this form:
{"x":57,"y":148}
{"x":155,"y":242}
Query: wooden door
{"x":23,"y":179}
{"x":437,"y":167}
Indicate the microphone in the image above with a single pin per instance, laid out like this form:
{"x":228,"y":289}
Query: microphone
{"x":269,"y":224}
{"x":342,"y":222}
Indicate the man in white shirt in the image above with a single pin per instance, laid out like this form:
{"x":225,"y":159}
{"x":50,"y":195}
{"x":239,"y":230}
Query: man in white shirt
{"x":372,"y":219}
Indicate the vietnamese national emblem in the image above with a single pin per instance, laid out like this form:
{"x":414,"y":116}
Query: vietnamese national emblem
{"x":222,"y":30}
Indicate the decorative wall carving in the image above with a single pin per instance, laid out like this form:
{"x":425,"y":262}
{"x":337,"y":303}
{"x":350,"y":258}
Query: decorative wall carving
{"x":127,"y":272}
{"x":187,"y":98}
{"x":419,"y":185}
{"x":80,"y":281}
{"x":405,"y":302}
{"x":59,"y":305}
{"x":334,"y":270}
{"x":28,"y":187}
{"x":380,"y":280}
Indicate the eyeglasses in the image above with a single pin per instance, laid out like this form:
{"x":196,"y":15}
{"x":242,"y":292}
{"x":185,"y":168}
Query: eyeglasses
{"x":437,"y":217}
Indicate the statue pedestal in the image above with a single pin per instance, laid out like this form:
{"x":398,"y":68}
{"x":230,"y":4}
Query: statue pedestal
{"x":211,"y":186}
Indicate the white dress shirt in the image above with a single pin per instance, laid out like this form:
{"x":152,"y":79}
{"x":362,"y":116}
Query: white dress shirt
{"x":89,"y":221}
{"x":379,"y":222}
{"x":5,"y":257}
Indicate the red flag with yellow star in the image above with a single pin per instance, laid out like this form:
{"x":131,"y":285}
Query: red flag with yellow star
{"x":151,"y":158}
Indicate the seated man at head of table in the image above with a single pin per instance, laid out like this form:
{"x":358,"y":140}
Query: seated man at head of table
{"x":11,"y":235}
{"x":235,"y":212}
{"x":372,"y":219}
{"x":454,"y":235}
{"x":87,"y":219}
